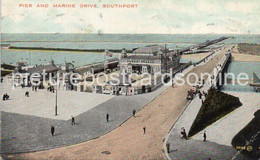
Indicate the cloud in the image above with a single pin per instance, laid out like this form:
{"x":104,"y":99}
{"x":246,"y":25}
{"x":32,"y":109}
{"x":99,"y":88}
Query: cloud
{"x":242,"y":6}
{"x":152,"y":16}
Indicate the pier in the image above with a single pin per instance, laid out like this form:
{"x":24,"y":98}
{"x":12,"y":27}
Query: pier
{"x":202,"y":45}
{"x":220,"y":69}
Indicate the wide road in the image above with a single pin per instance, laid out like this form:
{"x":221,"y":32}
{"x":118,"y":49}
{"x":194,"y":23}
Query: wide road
{"x":128,"y":141}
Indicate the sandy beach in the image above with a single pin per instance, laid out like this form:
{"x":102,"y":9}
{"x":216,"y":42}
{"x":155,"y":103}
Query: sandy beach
{"x":243,"y":57}
{"x":128,"y":140}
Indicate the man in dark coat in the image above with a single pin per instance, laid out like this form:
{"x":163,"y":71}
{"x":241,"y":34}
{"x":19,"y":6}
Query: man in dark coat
{"x":27,"y":94}
{"x":168,"y":147}
{"x":52,"y":130}
{"x":107,"y":117}
{"x":204,"y":136}
{"x":134,"y":111}
{"x":72,"y":120}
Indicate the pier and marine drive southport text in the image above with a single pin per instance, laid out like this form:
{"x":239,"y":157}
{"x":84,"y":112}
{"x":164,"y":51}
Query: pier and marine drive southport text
{"x":75,"y":5}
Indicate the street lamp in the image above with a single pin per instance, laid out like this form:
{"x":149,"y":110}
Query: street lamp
{"x":56,"y":98}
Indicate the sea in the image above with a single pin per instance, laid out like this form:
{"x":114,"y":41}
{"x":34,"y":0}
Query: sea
{"x":109,"y":42}
{"x":98,"y":41}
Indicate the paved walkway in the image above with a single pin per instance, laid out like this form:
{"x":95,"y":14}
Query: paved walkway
{"x":192,"y":148}
{"x":23,"y":133}
{"x":223,"y":131}
{"x":42,"y":102}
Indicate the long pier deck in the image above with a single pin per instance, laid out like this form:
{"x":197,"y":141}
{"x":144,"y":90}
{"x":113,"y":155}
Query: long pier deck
{"x":203,"y":45}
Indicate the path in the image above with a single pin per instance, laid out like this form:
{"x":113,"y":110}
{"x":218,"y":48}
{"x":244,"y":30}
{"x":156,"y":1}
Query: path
{"x":26,"y":126}
{"x":226,"y":128}
{"x":194,"y":148}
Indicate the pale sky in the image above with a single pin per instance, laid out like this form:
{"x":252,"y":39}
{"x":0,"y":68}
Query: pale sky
{"x":151,"y":16}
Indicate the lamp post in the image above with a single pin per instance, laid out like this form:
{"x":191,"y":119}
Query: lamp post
{"x":56,"y":98}
{"x":56,"y":101}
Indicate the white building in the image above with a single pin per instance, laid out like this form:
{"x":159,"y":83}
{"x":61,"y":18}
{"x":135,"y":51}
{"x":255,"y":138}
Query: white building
{"x":150,"y":59}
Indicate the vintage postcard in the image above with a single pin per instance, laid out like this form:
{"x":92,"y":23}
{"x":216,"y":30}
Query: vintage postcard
{"x":130,"y":80}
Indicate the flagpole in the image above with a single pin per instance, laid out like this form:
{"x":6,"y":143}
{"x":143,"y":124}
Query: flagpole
{"x":104,"y":60}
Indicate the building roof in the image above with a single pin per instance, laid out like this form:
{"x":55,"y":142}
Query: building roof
{"x":39,"y":69}
{"x":141,"y":57}
{"x":152,"y":49}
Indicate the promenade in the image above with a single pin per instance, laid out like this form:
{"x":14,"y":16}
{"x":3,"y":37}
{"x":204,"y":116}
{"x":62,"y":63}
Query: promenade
{"x":26,"y":121}
{"x":219,"y":134}
{"x":128,"y":141}
{"x":223,"y":130}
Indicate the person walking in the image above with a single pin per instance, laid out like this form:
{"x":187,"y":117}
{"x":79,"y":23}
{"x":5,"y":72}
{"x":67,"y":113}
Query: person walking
{"x":52,"y":130}
{"x":134,"y":111}
{"x":204,"y":136}
{"x":27,"y":94}
{"x":73,"y":120}
{"x":168,"y":147}
{"x":144,"y":128}
{"x":3,"y":97}
{"x":6,"y":96}
{"x":184,"y":134}
{"x":107,"y":117}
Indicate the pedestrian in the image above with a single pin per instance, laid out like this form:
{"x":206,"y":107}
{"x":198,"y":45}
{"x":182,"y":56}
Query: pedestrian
{"x":2,"y":79}
{"x":168,"y":147}
{"x":107,"y":117}
{"x":3,"y":97}
{"x":200,"y":95}
{"x":184,"y":134}
{"x":204,"y":136}
{"x":27,"y":94}
{"x":6,"y":96}
{"x":52,"y":130}
{"x":73,"y":120}
{"x":144,"y":128}
{"x":134,"y":111}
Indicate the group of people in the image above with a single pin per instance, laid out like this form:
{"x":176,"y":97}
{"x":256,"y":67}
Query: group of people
{"x":107,"y":115}
{"x":50,"y":88}
{"x":35,"y":88}
{"x":202,"y":94}
{"x":5,"y":97}
{"x":183,"y":134}
{"x":73,"y":122}
{"x":194,"y":91}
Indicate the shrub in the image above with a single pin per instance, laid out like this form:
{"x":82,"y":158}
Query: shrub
{"x":216,"y":105}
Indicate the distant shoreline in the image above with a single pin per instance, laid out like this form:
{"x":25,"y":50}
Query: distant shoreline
{"x":66,"y":49}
